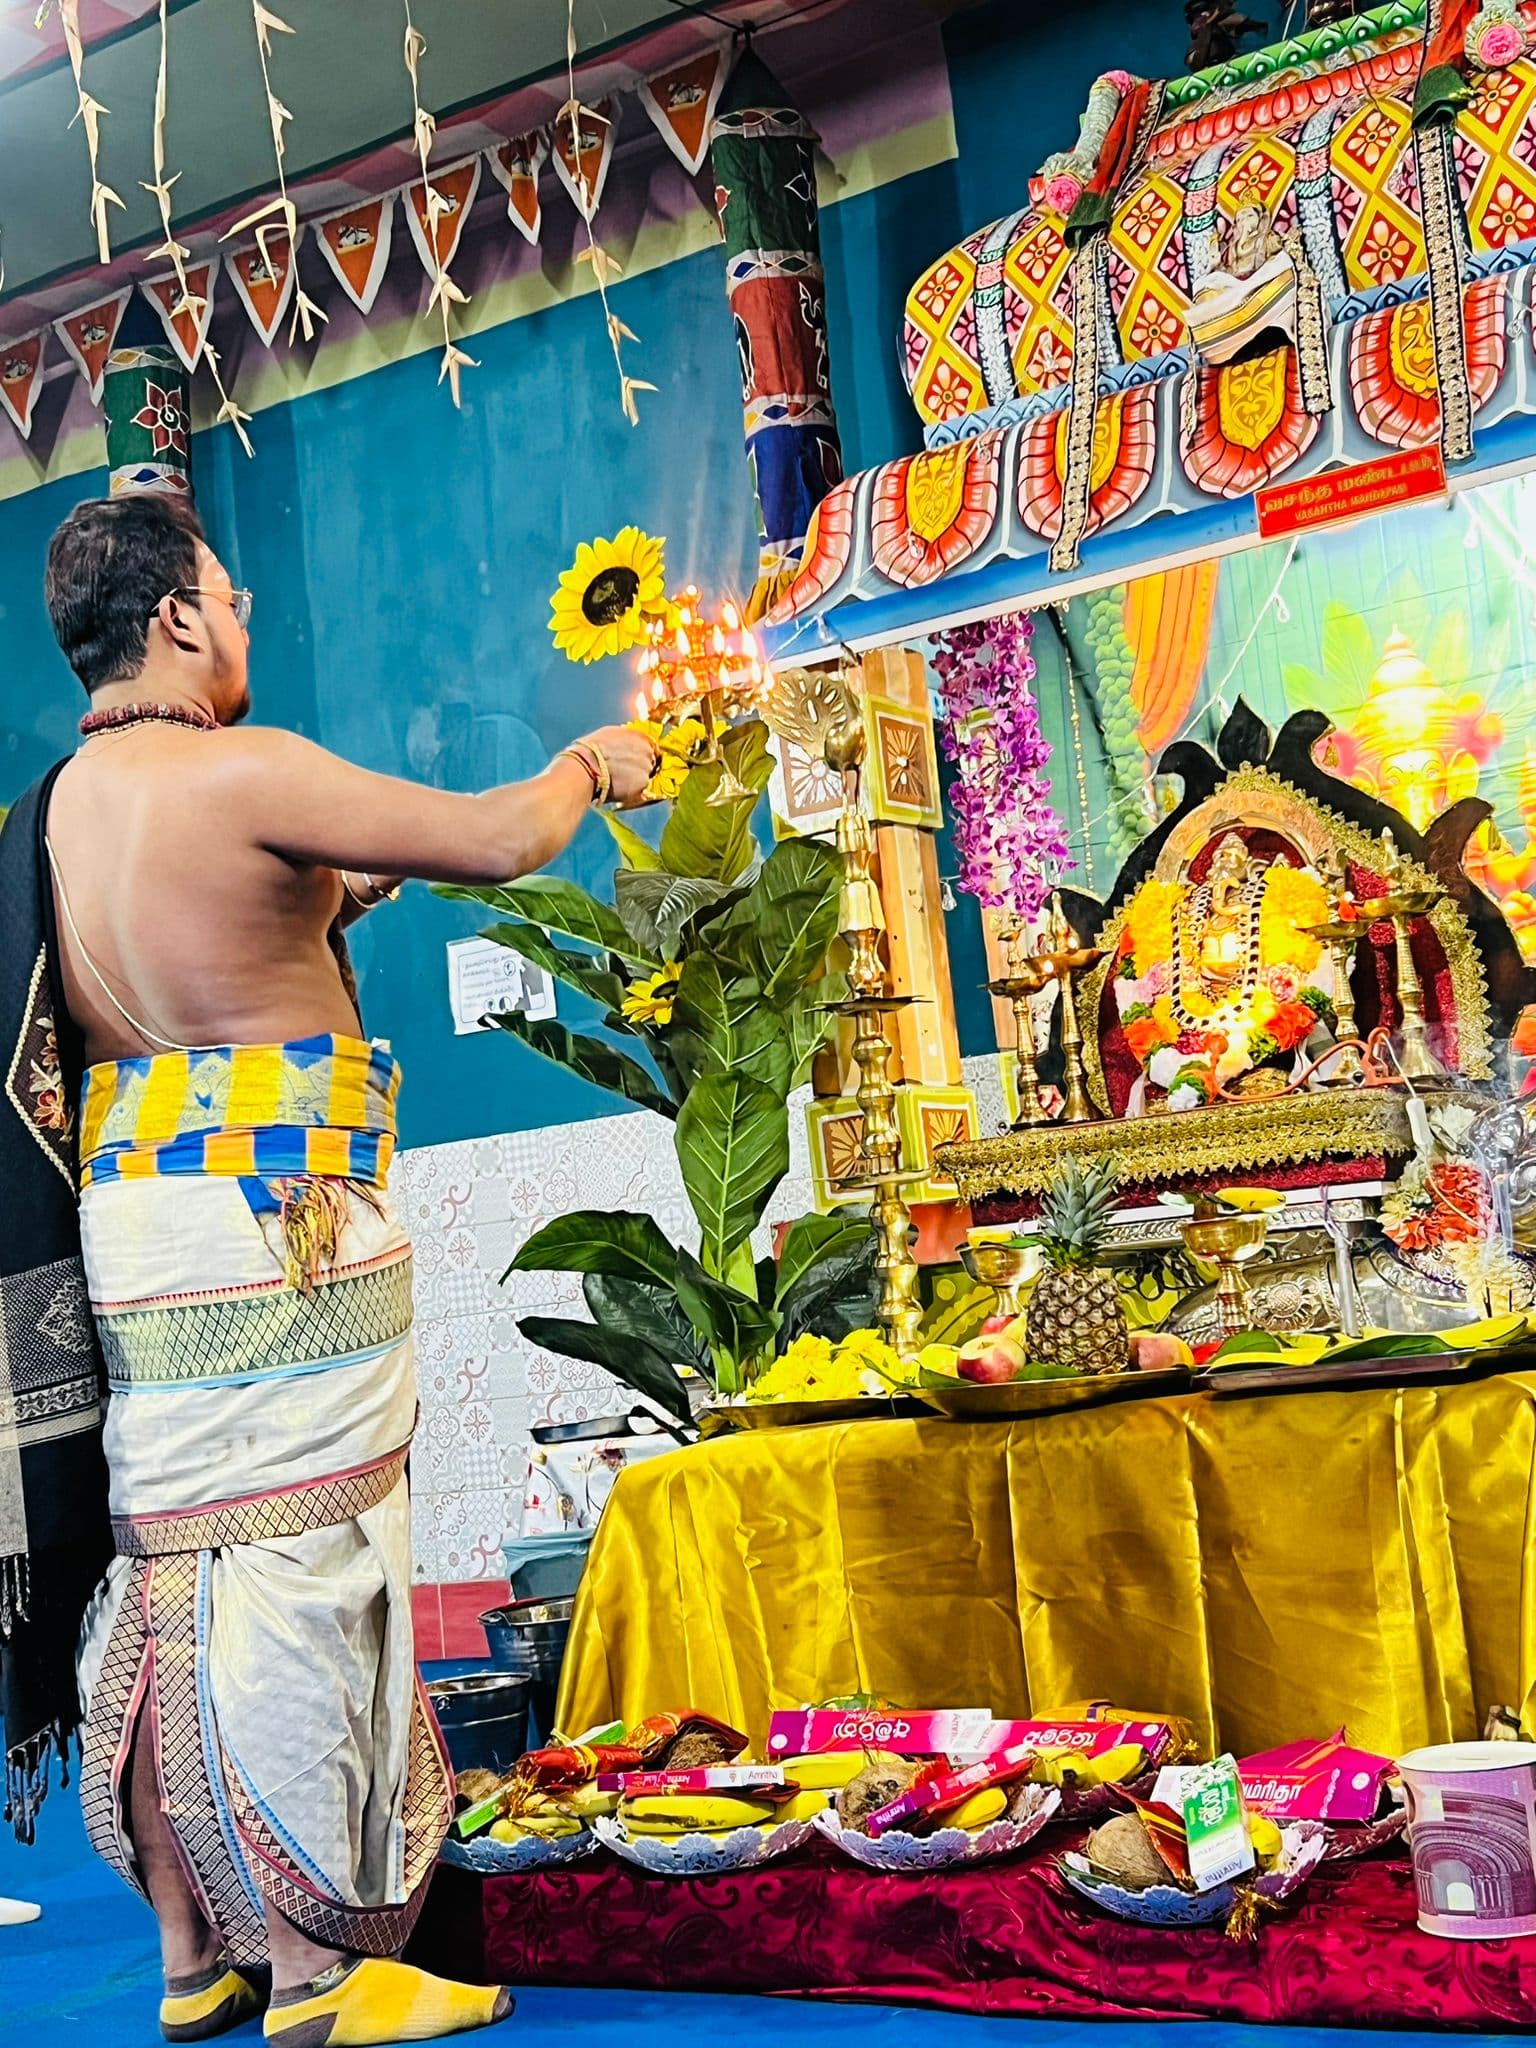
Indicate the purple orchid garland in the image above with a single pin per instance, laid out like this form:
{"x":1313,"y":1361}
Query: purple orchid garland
{"x":1012,"y":845}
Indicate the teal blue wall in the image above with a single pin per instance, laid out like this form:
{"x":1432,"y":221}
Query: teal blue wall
{"x":402,"y":554}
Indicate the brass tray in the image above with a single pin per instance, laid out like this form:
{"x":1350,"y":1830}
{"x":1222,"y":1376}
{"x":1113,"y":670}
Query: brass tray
{"x":1320,"y":1377}
{"x":799,"y":1414}
{"x":1016,"y":1400}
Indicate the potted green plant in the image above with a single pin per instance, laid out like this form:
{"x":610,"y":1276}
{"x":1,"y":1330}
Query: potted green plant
{"x":713,"y":961}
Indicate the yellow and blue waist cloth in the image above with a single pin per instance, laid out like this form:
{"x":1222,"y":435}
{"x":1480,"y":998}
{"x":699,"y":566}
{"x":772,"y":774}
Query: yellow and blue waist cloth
{"x":316,"y":1107}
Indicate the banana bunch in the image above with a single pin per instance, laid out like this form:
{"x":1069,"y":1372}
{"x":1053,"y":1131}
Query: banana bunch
{"x":1265,"y":1837}
{"x":1076,"y":1773}
{"x":543,"y":1827}
{"x":716,"y":1814}
{"x":978,"y":1812}
{"x":826,"y":1773}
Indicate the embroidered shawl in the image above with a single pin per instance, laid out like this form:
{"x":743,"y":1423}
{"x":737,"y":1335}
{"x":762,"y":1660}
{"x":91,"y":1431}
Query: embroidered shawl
{"x":55,"y":1535}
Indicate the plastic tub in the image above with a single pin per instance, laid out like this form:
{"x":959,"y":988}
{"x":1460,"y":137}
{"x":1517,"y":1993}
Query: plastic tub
{"x":547,"y":1567}
{"x":484,"y":1719}
{"x":1472,"y":1822}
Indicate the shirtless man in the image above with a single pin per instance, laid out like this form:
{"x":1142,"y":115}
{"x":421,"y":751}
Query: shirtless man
{"x":200,"y":868}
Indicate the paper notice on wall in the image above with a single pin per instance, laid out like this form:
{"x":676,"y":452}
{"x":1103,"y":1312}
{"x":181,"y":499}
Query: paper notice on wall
{"x":487,"y":980}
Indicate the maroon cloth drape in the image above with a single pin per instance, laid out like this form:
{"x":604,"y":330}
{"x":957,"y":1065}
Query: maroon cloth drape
{"x":1006,"y":1938}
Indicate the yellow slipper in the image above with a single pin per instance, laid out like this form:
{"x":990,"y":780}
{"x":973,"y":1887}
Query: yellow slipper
{"x":197,"y":2008}
{"x":364,"y":2004}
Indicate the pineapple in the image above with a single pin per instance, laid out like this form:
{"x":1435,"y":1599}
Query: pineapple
{"x":1076,"y":1322}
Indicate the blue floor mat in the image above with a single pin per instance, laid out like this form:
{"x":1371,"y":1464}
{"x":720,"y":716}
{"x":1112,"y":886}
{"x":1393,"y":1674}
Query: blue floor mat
{"x":88,"y":1972}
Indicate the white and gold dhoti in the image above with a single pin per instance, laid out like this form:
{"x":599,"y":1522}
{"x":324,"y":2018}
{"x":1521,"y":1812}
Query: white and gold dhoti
{"x":252,"y":1291}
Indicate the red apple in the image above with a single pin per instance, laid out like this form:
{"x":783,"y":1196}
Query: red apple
{"x":990,"y":1361}
{"x":994,"y":1326}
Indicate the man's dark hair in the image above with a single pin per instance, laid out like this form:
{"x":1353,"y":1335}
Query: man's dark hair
{"x":109,"y":565}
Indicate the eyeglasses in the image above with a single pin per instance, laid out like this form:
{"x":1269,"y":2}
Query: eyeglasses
{"x":239,"y":601}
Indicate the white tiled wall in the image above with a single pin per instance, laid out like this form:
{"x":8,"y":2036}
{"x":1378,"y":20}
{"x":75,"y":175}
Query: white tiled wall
{"x":469,"y":1208}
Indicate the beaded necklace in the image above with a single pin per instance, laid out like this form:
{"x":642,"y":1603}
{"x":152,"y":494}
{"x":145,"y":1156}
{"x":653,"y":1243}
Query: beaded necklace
{"x":124,"y":715}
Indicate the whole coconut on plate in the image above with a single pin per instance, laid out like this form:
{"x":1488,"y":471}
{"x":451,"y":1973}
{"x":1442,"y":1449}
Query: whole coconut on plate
{"x":1122,"y":1851}
{"x":882,"y":1779}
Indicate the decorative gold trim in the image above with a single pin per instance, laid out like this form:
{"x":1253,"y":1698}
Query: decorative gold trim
{"x":1314,"y":828}
{"x":1230,"y":1136}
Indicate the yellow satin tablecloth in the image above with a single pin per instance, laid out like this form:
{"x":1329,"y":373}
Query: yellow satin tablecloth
{"x":1269,"y":1568}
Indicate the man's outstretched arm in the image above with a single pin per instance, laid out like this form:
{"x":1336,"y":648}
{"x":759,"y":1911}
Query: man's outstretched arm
{"x":308,"y":805}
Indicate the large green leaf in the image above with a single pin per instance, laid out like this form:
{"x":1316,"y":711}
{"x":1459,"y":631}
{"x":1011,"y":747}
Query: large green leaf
{"x":582,"y":971}
{"x":615,"y":1242}
{"x":650,"y":1313}
{"x":715,"y":840}
{"x":725,"y":1027}
{"x":781,"y":929}
{"x":811,"y":1241}
{"x":591,"y":1059}
{"x":637,"y":853}
{"x":632,"y":1363}
{"x":655,"y":907}
{"x":561,"y":907}
{"x":725,"y":1318}
{"x":810,"y":1024}
{"x":733,"y":1148}
{"x":834,"y":1298}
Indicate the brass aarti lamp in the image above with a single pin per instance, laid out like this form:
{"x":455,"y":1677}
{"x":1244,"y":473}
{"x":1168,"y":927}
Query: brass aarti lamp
{"x":1025,"y":977}
{"x":814,"y":708}
{"x":1401,"y":905}
{"x":1341,"y":935}
{"x":1065,"y":961}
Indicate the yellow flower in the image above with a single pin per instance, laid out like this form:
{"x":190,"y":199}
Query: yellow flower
{"x":651,"y":1001}
{"x":602,"y":601}
{"x":1293,"y":898}
{"x":868,"y":1351}
{"x":809,"y":1371}
{"x":678,"y":747}
{"x":1149,"y":921}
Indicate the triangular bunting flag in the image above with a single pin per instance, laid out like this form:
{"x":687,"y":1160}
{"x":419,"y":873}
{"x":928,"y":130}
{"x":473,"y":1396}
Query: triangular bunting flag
{"x":516,"y":165}
{"x":582,"y":159}
{"x":455,"y":189}
{"x":186,"y":330}
{"x":264,"y":273}
{"x":355,"y":243}
{"x":682,"y":103}
{"x":89,"y":336}
{"x":21,"y":374}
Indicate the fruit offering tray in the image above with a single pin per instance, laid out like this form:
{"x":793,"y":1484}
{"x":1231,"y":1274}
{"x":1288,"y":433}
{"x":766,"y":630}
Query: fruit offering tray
{"x":1015,"y":1400}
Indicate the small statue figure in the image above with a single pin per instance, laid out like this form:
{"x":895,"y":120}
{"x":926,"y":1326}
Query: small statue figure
{"x":1251,"y":242}
{"x":1216,"y":29}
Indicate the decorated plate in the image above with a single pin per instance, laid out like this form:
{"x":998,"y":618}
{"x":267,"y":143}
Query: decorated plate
{"x":1346,"y":1843}
{"x":1305,"y":1845}
{"x":703,"y":1855}
{"x":962,"y":1401}
{"x":796,"y":1414}
{"x":946,"y":1847}
{"x":508,"y":1859}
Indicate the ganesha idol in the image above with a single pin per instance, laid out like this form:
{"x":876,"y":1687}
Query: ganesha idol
{"x":1220,"y":987}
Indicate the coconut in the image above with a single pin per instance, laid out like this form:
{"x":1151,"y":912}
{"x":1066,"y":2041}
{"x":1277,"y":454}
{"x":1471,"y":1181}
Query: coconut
{"x":1122,"y":1851}
{"x":882,"y":1779}
{"x":696,"y":1749}
{"x":474,"y":1786}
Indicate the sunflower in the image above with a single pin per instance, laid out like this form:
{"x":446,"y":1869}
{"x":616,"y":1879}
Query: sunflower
{"x":677,"y":747}
{"x":602,"y":601}
{"x":650,"y":1001}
